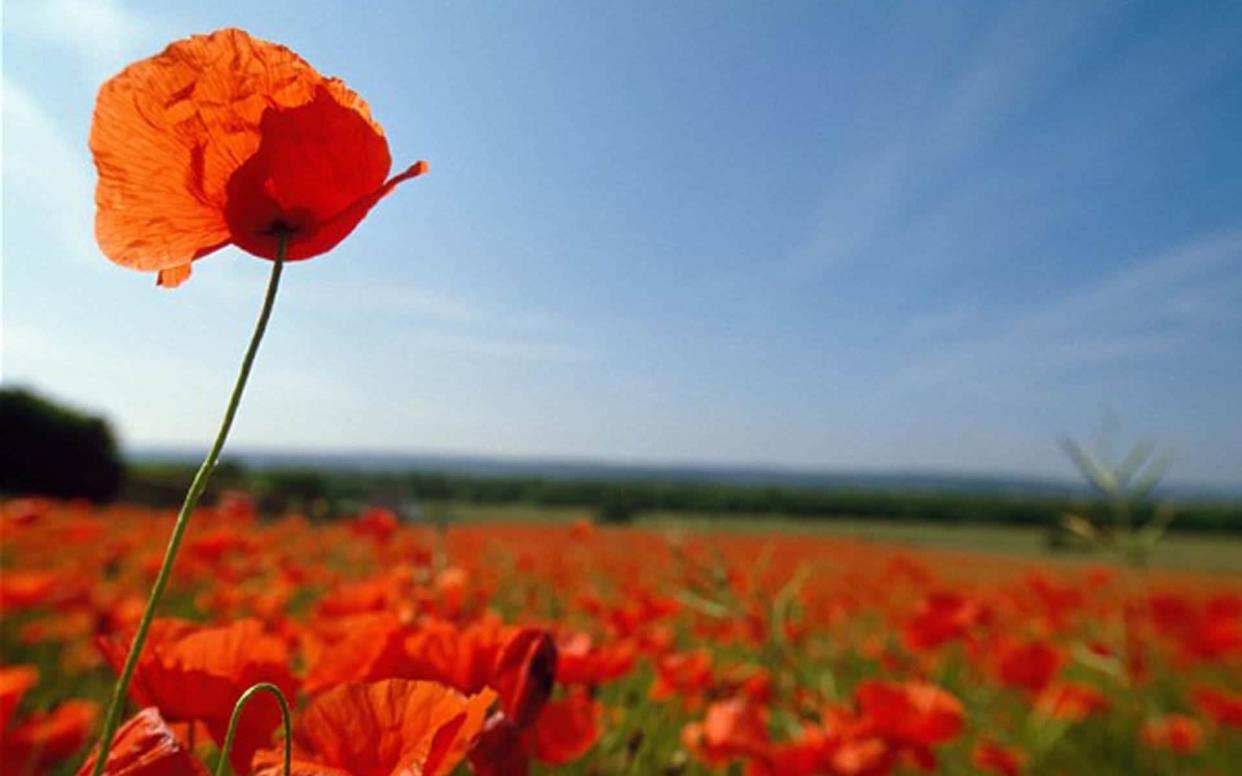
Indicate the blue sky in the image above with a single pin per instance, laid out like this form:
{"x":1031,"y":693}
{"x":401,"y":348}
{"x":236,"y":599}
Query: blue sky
{"x":843,"y":235}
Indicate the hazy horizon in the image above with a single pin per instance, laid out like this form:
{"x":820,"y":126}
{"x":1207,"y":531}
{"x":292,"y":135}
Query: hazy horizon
{"x":825,"y":237}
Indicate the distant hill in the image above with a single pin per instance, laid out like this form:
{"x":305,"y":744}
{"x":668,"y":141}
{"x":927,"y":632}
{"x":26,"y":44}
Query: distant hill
{"x":754,"y":476}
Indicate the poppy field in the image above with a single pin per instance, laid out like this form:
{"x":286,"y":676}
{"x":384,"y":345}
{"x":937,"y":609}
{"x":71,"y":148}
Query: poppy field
{"x":499,"y":647}
{"x":223,"y":637}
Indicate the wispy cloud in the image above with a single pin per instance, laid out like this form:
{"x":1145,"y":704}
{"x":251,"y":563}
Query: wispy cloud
{"x":878,"y":194}
{"x":1153,"y":307}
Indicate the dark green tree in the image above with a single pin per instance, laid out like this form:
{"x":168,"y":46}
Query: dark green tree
{"x":51,"y":450}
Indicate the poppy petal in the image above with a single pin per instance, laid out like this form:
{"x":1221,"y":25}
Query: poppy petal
{"x":145,"y":746}
{"x":169,"y":131}
{"x":388,"y":726}
{"x":314,"y":164}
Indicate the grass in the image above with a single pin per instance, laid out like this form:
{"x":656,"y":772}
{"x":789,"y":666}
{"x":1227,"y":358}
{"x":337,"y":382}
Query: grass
{"x":1203,"y":552}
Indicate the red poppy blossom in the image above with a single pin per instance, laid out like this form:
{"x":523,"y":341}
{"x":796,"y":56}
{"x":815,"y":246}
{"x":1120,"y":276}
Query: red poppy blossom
{"x":1221,"y":706}
{"x":990,"y":757}
{"x":912,"y":716}
{"x":730,"y":729}
{"x":14,"y":682}
{"x":942,"y":617}
{"x":1176,"y":732}
{"x":145,"y":746}
{"x":195,"y":674}
{"x":1068,"y":701}
{"x":224,"y":139}
{"x":581,"y":661}
{"x":390,"y":727}
{"x":46,"y":738}
{"x":356,"y":648}
{"x":567,"y":728}
{"x":1030,"y":666}
{"x":524,"y":674}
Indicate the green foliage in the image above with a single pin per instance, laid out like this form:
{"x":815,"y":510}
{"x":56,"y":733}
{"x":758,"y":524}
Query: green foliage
{"x":615,"y":510}
{"x":51,"y":450}
{"x":347,"y":490}
{"x":1124,"y":521}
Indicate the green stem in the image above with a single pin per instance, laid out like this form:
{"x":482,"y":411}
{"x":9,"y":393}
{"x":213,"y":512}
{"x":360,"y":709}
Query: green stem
{"x":237,"y":710}
{"x":113,"y":718}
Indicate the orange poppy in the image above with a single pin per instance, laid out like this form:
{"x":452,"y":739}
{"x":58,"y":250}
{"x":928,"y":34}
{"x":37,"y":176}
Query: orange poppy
{"x":1030,"y":666}
{"x":356,"y":648}
{"x":14,"y":682}
{"x":21,"y":590}
{"x":685,"y":674}
{"x":581,"y":661}
{"x":990,"y":757}
{"x":197,"y":674}
{"x":524,"y":674}
{"x":1221,"y":706}
{"x":145,"y":746}
{"x":460,"y":657}
{"x":391,"y":727}
{"x":942,"y":617}
{"x":46,"y":738}
{"x":226,"y":139}
{"x":1069,"y":701}
{"x":1176,"y":732}
{"x":912,"y":715}
{"x":567,"y":728}
{"x":731,"y":729}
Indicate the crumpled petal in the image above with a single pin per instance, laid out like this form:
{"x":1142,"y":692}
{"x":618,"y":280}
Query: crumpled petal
{"x":392,"y":726}
{"x":319,"y":168}
{"x":170,"y":132}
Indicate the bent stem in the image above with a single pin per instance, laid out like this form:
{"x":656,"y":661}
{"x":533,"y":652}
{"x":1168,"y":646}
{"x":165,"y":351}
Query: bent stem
{"x":113,"y":717}
{"x":237,"y":710}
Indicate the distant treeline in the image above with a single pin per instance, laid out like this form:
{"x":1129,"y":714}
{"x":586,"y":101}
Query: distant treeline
{"x":326,"y":493}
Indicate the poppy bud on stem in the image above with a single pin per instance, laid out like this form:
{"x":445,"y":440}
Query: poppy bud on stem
{"x":113,"y":718}
{"x":237,"y":710}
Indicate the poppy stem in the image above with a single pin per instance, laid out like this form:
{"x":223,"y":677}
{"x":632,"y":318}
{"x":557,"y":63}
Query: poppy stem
{"x":113,"y":718}
{"x":237,"y":709}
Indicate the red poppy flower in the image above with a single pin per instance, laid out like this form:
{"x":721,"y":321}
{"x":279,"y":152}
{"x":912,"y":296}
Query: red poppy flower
{"x":14,"y":682}
{"x":1223,"y":707}
{"x":942,"y":617}
{"x":145,"y":746}
{"x":46,"y":738}
{"x":20,"y":590}
{"x":688,"y":674}
{"x":1031,"y":666}
{"x":913,"y":716}
{"x":567,"y":728}
{"x":375,"y":522}
{"x":197,"y":674}
{"x":1176,"y":732}
{"x":524,"y":674}
{"x":563,"y":731}
{"x":225,"y":139}
{"x":1074,"y":702}
{"x":394,"y":727}
{"x":731,"y":729}
{"x":459,"y":657}
{"x":990,"y":757}
{"x":356,"y":648}
{"x":581,"y":661}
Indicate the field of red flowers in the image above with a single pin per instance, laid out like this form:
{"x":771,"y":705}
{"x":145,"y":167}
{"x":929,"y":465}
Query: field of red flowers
{"x":498,"y":648}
